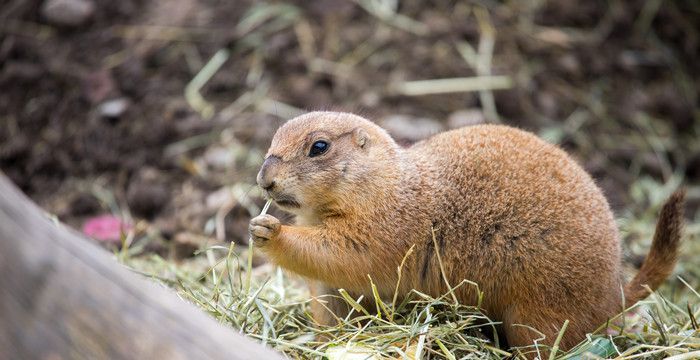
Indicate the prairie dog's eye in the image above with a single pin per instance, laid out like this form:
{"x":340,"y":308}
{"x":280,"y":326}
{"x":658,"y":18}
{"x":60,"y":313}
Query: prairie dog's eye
{"x":319,"y":147}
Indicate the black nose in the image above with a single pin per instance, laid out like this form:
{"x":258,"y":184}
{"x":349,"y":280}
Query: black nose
{"x":267,"y":186}
{"x":265,"y":182}
{"x":267,"y":173}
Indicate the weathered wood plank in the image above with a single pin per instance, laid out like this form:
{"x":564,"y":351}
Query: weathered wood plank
{"x":62,"y":297}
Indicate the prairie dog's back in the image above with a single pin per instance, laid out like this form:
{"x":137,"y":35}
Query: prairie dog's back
{"x":506,"y":202}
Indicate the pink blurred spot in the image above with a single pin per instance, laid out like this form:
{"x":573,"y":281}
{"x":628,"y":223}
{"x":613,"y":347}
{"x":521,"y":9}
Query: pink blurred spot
{"x":105,"y":228}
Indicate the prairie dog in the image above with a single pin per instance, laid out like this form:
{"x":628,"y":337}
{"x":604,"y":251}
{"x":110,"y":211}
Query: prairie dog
{"x":508,"y":211}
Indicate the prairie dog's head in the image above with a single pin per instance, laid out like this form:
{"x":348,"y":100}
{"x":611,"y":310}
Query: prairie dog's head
{"x":318,"y":158}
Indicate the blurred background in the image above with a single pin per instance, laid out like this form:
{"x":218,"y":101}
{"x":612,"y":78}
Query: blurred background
{"x":155,"y":115}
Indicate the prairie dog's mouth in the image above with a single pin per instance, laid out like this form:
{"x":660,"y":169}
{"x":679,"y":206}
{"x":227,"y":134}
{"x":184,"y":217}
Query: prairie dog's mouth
{"x":288,"y":203}
{"x":284,"y":200}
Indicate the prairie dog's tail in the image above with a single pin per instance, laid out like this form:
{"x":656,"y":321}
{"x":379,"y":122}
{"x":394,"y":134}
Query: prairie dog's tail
{"x":661,"y":259}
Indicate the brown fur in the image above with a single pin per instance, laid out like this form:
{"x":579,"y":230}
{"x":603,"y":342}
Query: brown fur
{"x":510,"y":212}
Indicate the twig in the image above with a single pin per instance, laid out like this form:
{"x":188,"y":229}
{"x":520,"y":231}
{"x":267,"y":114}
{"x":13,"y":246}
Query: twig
{"x":483,"y":64}
{"x":452,"y":85}
{"x":193,"y":96}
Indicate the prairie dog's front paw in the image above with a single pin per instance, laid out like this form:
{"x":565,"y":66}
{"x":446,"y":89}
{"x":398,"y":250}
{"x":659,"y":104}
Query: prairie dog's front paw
{"x":263,"y":228}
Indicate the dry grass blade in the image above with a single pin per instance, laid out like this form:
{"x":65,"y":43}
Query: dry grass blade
{"x":452,"y":85}
{"x":250,"y":250}
{"x":385,"y":10}
{"x":442,"y":267}
{"x":192,"y":90}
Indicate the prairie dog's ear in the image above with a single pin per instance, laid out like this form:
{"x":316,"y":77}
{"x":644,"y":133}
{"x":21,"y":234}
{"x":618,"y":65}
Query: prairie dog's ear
{"x":360,"y":137}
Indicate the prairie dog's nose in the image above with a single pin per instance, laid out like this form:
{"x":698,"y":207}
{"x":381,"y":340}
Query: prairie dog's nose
{"x":266,"y":176}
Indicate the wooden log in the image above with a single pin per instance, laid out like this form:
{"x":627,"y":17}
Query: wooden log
{"x":63,"y":297}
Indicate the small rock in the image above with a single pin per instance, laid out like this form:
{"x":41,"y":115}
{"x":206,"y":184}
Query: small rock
{"x":113,"y":109}
{"x":409,"y":129}
{"x":67,"y":12}
{"x":466,"y":117}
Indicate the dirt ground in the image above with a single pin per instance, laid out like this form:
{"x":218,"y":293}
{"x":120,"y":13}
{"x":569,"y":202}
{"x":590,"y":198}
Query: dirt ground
{"x":94,"y":116}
